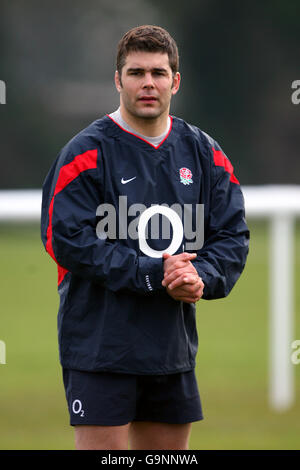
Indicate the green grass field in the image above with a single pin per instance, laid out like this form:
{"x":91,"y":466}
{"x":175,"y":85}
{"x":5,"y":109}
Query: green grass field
{"x":232,"y":361}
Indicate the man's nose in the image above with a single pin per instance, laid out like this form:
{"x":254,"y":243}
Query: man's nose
{"x":148,"y":80}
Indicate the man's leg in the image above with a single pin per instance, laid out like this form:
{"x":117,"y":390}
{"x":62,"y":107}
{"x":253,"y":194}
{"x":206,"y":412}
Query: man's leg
{"x":101,"y":437}
{"x":154,"y":435}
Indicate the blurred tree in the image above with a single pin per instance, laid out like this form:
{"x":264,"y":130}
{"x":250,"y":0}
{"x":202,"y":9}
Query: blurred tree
{"x":238,"y":61}
{"x":58,"y":61}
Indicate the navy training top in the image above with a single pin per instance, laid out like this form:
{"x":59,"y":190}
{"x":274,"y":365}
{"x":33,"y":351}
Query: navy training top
{"x":114,"y":314}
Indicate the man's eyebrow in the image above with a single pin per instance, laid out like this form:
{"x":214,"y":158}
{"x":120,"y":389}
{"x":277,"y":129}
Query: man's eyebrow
{"x":141,"y":69}
{"x":159,"y":69}
{"x":135,"y":69}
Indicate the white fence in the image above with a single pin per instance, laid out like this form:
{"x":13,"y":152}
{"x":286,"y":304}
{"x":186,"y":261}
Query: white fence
{"x":279,"y":204}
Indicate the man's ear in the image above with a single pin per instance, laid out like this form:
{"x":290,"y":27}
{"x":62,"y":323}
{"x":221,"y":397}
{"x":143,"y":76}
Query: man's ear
{"x":176,"y":83}
{"x":118,"y":82}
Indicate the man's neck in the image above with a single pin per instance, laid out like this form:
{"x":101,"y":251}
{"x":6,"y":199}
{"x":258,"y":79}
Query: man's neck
{"x":155,"y":141}
{"x":146,"y":126}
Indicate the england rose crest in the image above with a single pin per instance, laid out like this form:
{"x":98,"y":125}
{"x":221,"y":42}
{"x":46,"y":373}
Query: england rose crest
{"x":185,"y":176}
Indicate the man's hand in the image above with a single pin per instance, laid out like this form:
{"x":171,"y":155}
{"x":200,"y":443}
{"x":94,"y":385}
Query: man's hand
{"x":189,"y":292}
{"x":176,"y":267}
{"x":181,"y":278}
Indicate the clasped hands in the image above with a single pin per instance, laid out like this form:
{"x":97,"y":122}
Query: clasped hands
{"x":181,"y":279}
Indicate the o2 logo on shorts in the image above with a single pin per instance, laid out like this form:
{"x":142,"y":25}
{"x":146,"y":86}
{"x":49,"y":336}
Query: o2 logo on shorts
{"x":77,"y":408}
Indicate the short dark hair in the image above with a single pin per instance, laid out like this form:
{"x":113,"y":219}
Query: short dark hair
{"x":150,"y":39}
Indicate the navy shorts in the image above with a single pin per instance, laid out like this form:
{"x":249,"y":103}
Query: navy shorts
{"x":113,"y":399}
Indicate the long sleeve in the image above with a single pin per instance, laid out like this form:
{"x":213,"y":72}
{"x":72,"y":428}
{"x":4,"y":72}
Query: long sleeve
{"x":222,"y":258}
{"x":70,"y":199}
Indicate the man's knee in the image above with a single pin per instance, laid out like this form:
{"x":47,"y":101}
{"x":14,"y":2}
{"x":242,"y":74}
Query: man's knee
{"x":101,"y":437}
{"x":156,"y":435}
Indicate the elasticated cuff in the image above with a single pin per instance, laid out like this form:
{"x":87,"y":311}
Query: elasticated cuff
{"x":151,"y":273}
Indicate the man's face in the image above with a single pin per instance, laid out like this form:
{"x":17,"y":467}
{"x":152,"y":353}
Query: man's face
{"x":147,"y":85}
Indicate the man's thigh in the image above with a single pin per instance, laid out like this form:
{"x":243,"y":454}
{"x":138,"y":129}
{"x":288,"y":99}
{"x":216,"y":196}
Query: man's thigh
{"x":101,"y":437}
{"x":102,"y":406}
{"x":155,"y":435}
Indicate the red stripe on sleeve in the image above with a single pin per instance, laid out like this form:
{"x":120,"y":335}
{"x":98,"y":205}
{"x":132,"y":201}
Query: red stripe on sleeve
{"x":67,"y":173}
{"x":221,"y":160}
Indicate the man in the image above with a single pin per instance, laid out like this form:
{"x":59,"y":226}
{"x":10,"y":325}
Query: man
{"x":126,"y":322}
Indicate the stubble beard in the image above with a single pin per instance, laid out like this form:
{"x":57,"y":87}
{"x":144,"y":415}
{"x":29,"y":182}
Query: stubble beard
{"x":146,"y":115}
